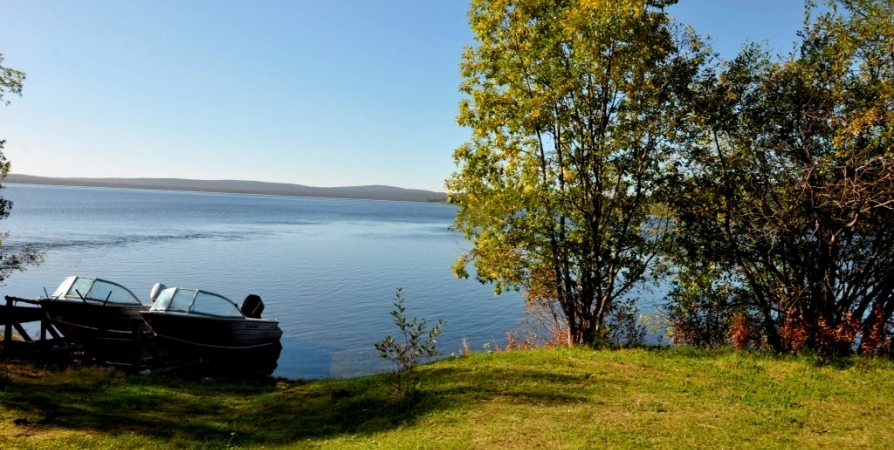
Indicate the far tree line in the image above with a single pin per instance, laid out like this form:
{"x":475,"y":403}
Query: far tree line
{"x":611,"y":148}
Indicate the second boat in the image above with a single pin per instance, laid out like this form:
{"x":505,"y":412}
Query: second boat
{"x":198,"y":320}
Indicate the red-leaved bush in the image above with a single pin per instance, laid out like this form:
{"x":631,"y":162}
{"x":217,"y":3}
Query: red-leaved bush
{"x":740,"y":332}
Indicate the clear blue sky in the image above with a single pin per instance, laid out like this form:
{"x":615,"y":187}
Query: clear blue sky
{"x":322,"y":93}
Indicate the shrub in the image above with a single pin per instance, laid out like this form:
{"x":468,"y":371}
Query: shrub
{"x":701,"y":306}
{"x":408,"y":354}
{"x":624,"y":325}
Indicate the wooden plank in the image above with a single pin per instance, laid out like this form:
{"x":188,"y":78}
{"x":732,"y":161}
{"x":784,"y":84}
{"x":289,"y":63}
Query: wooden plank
{"x":22,"y":300}
{"x":53,"y":331}
{"x":22,"y":332}
{"x":138,"y":345}
{"x":7,"y":334}
{"x":20,"y":314}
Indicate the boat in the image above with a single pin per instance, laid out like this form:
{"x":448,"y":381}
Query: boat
{"x":195,"y":320}
{"x":86,"y":309}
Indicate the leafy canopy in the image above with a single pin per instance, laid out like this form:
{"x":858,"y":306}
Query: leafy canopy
{"x":11,"y":82}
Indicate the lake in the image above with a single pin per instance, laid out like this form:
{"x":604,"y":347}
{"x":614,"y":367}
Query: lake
{"x":326,"y":268}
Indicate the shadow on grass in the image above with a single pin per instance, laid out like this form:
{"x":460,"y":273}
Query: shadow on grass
{"x":212,"y":413}
{"x":455,"y":387}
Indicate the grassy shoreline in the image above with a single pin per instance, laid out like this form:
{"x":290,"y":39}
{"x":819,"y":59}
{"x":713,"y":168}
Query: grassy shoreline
{"x":560,"y":398}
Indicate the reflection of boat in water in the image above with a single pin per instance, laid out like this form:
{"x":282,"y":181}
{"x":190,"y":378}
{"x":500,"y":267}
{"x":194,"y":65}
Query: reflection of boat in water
{"x":193,"y":320}
{"x":258,"y":363}
{"x":84,"y":308}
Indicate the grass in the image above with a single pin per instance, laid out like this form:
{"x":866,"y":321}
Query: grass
{"x":567,"y":398}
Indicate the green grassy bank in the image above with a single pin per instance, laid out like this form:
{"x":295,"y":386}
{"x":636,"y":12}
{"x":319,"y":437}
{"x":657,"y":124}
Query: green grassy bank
{"x":570,"y":398}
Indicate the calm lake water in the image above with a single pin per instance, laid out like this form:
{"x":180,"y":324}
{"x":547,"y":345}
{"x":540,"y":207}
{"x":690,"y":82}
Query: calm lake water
{"x":326,"y":268}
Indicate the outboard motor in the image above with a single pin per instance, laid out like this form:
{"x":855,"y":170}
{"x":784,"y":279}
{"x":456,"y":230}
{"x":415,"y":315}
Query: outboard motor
{"x":252,"y":306}
{"x":155,"y":291}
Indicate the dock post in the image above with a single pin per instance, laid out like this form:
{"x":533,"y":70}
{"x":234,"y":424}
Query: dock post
{"x":43,"y":330}
{"x":138,"y":345}
{"x":7,"y":335}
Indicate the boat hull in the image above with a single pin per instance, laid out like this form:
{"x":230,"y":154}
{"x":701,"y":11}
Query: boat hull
{"x":193,"y":332}
{"x":90,"y":321}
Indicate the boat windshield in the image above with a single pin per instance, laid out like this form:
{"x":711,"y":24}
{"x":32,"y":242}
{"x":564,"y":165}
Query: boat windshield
{"x":63,"y":288}
{"x":81,"y":288}
{"x":195,"y":301}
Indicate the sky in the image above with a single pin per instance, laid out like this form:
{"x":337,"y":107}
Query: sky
{"x":320,"y":93}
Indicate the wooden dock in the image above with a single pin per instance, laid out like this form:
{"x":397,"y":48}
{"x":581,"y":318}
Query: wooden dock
{"x":13,"y":316}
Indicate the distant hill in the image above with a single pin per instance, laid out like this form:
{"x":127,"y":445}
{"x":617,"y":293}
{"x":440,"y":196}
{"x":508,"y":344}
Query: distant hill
{"x":375,"y":192}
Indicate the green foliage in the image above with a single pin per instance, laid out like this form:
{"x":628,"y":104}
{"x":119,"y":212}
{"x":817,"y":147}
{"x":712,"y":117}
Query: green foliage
{"x":573,"y":107}
{"x":11,"y":83}
{"x":413,"y":350}
{"x":787,"y":186}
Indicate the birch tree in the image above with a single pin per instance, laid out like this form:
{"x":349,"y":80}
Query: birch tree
{"x":573,"y":108}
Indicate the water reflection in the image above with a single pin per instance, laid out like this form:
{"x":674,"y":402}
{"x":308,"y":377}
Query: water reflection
{"x":244,"y":364}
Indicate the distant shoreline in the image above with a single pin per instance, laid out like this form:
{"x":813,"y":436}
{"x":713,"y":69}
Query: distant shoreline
{"x":376,"y":192}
